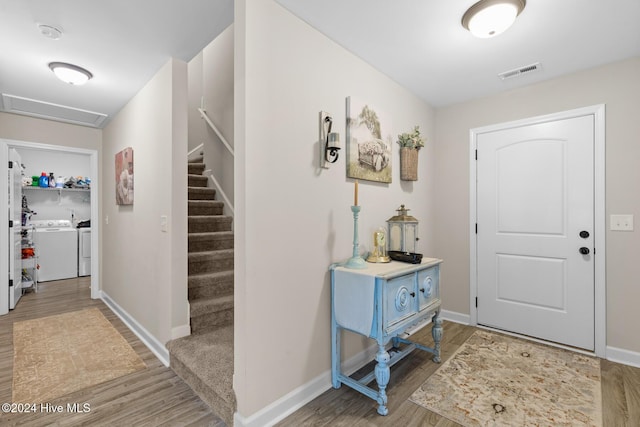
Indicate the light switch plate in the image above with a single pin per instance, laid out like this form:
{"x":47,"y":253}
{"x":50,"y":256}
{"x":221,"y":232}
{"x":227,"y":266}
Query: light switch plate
{"x":163,"y":223}
{"x":621,"y":222}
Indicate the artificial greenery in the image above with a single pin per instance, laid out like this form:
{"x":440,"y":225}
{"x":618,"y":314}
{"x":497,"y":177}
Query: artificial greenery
{"x":411,"y":139}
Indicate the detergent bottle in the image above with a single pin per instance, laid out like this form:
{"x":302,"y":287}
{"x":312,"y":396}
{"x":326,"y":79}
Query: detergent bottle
{"x":44,"y":180}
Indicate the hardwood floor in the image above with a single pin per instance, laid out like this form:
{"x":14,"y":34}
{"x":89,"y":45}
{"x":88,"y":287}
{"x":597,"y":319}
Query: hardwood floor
{"x":348,"y":408}
{"x":154,"y":396}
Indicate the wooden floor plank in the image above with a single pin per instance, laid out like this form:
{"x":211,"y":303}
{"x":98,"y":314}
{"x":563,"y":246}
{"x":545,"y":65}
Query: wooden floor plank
{"x":155,"y":396}
{"x":149,"y":397}
{"x":348,"y":408}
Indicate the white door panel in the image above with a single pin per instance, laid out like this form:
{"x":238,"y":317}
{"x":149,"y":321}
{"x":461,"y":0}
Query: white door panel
{"x":535,"y":193}
{"x":15,"y":232}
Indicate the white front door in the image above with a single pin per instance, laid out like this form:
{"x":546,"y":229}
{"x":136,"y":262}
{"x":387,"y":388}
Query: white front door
{"x":535,"y":230}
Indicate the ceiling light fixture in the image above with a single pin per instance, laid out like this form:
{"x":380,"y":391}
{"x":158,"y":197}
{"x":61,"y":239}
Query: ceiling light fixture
{"x":488,"y":18}
{"x":70,"y":73}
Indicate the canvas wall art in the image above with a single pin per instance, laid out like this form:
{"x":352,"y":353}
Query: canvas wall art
{"x":369,"y":141}
{"x":124,"y":177}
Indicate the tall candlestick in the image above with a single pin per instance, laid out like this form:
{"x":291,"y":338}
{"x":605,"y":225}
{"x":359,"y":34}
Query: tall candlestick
{"x":356,"y":261}
{"x":355,"y":195}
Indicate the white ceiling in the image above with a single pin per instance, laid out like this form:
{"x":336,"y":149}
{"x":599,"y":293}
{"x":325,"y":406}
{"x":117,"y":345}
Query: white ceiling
{"x":122,"y":42}
{"x":418,"y":43}
{"x":422,"y":45}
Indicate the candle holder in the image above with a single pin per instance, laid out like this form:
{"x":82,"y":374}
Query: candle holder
{"x":356,"y":261}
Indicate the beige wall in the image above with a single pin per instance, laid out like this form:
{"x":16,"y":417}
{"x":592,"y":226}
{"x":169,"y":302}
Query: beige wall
{"x":616,"y":85}
{"x":145,"y":269}
{"x":293,"y":219}
{"x":211,"y":80}
{"x":23,"y":128}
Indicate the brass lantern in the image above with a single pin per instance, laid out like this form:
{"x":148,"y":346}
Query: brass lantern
{"x":403,"y":232}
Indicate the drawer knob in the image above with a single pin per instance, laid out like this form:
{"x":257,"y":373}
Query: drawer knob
{"x":413,"y":294}
{"x":428,"y":285}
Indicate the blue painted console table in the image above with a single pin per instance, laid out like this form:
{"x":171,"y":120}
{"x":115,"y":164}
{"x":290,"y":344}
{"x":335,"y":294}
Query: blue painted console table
{"x":387,"y":303}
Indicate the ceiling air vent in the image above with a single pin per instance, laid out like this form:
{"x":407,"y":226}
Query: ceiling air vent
{"x":46,"y":110}
{"x":527,"y":69}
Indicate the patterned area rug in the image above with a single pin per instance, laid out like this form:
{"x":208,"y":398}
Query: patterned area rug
{"x":57,"y":355}
{"x":496,"y":380}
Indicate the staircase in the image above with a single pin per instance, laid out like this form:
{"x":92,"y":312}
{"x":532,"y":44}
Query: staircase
{"x":204,"y":360}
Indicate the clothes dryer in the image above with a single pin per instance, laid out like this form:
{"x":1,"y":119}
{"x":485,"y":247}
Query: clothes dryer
{"x":84,"y":251}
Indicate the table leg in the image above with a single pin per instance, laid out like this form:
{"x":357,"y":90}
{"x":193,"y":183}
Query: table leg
{"x":383,"y":373}
{"x":335,"y":354}
{"x":436,"y":333}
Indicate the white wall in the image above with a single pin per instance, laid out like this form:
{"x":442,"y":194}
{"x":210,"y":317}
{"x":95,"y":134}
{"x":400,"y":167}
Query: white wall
{"x":293,"y":219}
{"x":145,"y":269}
{"x":23,"y":128}
{"x":211,"y":80}
{"x":616,"y":85}
{"x":50,"y":204}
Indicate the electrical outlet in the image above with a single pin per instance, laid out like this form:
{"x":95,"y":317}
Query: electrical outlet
{"x":621,"y":222}
{"x":163,"y":223}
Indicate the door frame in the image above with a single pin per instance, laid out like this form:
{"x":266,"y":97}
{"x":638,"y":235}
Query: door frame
{"x":600,"y":301}
{"x":93,"y":154}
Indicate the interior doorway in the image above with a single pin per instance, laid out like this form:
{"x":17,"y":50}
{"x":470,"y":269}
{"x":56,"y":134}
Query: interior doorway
{"x":538,"y":228}
{"x":5,"y":145}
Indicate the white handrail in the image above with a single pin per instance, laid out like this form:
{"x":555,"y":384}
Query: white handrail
{"x":199,"y":147}
{"x":215,"y":129}
{"x":218,"y":187}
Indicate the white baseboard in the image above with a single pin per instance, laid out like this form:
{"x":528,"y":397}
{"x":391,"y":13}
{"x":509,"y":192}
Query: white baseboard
{"x":147,"y":338}
{"x":453,"y":316}
{"x":626,"y":357}
{"x":302,"y":395}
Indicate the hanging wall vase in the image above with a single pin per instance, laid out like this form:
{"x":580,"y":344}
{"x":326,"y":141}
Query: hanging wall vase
{"x":408,"y":164}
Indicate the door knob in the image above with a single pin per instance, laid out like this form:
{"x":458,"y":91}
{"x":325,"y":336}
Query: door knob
{"x":584,"y":250}
{"x":584,"y":234}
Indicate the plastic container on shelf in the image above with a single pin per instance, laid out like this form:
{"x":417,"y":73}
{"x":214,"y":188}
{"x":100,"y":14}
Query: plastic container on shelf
{"x":44,"y":180}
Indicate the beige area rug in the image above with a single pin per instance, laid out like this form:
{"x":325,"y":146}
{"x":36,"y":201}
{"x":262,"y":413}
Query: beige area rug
{"x":57,"y":355}
{"x":496,"y":380}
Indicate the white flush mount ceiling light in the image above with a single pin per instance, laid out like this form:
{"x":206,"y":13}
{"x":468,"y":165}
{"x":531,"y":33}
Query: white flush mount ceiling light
{"x":488,"y":18}
{"x":70,"y":73}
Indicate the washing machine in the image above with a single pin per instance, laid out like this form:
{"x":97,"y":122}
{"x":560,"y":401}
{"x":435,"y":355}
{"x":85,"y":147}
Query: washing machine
{"x":84,"y":251}
{"x":56,"y":242}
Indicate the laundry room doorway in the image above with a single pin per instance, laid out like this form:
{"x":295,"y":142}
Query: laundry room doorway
{"x":72,"y":202}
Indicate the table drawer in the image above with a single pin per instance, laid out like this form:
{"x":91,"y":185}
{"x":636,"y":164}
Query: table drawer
{"x":428,"y":286}
{"x":400,"y":300}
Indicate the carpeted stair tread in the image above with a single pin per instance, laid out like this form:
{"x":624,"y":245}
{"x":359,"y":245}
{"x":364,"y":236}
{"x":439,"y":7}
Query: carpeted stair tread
{"x":195,"y":168}
{"x":203,"y":306}
{"x":204,"y":207}
{"x":201,"y":193}
{"x":194,"y":180}
{"x":210,"y":261}
{"x":208,"y":223}
{"x":213,"y":255}
{"x":197,"y":159}
{"x":210,"y":241}
{"x":208,"y":285}
{"x":205,"y":362}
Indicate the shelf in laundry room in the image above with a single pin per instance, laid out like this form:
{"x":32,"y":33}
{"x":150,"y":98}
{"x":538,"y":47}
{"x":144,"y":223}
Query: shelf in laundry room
{"x":58,"y":189}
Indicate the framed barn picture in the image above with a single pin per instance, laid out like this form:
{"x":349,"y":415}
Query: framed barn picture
{"x":369,"y":141}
